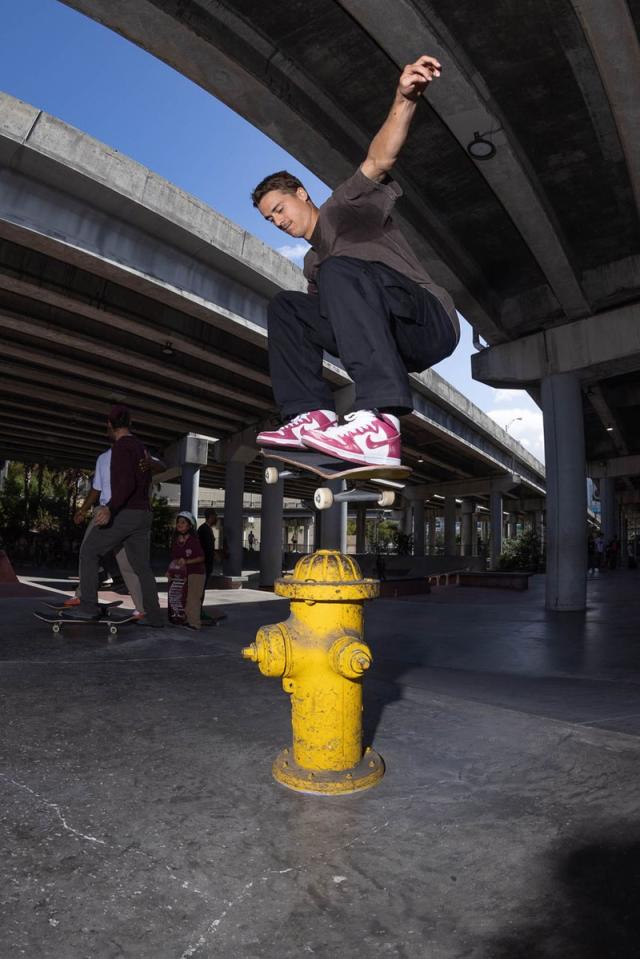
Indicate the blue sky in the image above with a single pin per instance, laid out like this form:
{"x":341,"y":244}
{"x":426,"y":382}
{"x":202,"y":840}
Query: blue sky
{"x":75,"y":69}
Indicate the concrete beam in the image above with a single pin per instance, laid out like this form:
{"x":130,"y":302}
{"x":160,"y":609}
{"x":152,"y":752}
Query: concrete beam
{"x":463,"y":105}
{"x":478,"y":486}
{"x":123,"y":357}
{"x":593,"y":348}
{"x":275,"y":95}
{"x":610,"y":27}
{"x":617,"y":466}
{"x":183,"y":405}
{"x":80,"y":306}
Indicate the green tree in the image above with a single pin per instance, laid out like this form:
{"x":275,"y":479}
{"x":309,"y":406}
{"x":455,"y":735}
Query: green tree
{"x":524,"y":553}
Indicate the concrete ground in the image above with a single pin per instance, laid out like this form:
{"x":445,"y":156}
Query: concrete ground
{"x":140,"y":818}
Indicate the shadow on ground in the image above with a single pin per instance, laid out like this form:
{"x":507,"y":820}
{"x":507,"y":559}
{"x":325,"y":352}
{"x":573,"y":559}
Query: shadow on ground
{"x":589,"y":909}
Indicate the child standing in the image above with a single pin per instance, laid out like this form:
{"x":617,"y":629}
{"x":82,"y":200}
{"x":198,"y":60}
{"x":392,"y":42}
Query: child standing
{"x":186,"y":573}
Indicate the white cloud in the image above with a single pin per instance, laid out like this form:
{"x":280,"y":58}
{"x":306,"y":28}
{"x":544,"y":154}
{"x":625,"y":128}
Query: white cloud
{"x":524,"y":421}
{"x":294,"y":253}
{"x":512,"y":397}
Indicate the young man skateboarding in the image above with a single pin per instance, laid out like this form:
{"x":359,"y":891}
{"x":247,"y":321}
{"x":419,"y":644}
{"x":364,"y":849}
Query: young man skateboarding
{"x":369,"y":301}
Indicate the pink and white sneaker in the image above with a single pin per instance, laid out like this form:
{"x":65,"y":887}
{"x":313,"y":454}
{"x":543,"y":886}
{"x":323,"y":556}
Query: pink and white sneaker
{"x":368,"y":438}
{"x":290,"y":435}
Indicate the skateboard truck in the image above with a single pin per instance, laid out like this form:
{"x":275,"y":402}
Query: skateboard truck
{"x":324,"y":498}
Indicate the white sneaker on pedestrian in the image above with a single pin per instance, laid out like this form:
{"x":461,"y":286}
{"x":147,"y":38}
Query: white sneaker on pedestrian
{"x":290,"y":435}
{"x":367,"y":438}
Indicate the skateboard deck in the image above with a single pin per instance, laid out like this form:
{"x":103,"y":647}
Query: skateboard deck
{"x":177,"y":599}
{"x":328,"y":467}
{"x":291,"y":463}
{"x":103,"y":606}
{"x":57,"y":623}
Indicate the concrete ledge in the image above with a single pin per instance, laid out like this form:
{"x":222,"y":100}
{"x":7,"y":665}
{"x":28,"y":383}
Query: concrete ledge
{"x":226,"y":582}
{"x":404,"y":586}
{"x":450,"y":578}
{"x":495,"y":580}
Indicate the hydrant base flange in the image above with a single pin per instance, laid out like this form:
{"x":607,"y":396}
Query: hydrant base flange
{"x":331,"y":782}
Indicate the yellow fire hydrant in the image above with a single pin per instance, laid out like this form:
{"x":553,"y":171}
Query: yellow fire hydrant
{"x":321,"y":655}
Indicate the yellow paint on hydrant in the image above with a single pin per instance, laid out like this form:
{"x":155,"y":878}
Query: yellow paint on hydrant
{"x":321,"y":654}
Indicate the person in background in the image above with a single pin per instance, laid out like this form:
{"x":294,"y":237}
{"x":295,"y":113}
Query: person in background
{"x":208,"y":543}
{"x":124,"y":522}
{"x":188,"y":563}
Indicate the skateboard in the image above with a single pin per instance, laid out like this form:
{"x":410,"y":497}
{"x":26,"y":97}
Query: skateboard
{"x":176,"y":599}
{"x":105,"y":607}
{"x":296,"y":463}
{"x":57,"y":622}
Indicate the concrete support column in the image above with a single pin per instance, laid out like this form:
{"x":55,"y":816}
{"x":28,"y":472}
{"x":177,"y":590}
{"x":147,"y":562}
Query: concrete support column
{"x":512,"y":526}
{"x":432,"y":532}
{"x":271,"y":531}
{"x":466,"y":530}
{"x":450,"y":512}
{"x":306,"y":529}
{"x":333,"y":523}
{"x":418,"y":527}
{"x":361,"y":527}
{"x":190,"y":487}
{"x":495,"y":515}
{"x":233,"y":522}
{"x":609,"y":508}
{"x":566,"y":582}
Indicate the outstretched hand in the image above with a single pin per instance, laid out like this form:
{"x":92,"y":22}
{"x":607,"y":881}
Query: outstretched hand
{"x":416,"y":77}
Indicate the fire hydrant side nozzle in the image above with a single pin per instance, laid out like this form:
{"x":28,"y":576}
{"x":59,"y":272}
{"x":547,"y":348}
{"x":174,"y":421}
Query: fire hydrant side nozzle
{"x":321,"y":654}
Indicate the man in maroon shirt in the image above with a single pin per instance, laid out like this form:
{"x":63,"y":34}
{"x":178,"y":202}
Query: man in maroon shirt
{"x":125,"y":522}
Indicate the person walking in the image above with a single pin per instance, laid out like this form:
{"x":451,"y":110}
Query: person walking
{"x":124,"y":522}
{"x":99,"y":495}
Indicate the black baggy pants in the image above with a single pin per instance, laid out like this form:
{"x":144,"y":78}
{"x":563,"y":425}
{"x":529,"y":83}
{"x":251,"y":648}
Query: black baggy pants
{"x":379,"y":323}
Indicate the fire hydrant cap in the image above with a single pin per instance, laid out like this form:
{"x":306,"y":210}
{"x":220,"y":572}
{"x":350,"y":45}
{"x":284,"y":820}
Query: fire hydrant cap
{"x":327,"y":575}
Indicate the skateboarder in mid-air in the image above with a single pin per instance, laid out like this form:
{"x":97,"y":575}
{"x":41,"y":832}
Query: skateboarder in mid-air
{"x":369,"y":301}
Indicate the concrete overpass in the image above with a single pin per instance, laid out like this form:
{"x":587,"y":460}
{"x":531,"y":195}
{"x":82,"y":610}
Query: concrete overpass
{"x":117,"y":286}
{"x":538,"y":240}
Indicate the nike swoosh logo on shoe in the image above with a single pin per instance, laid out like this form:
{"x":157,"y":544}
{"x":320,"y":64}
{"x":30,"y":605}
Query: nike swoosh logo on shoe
{"x":372,"y":444}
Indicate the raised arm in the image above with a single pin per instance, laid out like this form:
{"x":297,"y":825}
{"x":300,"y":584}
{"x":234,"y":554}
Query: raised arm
{"x":390,"y":138}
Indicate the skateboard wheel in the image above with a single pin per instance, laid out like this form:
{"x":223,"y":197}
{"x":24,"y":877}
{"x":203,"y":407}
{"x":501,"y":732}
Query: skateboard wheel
{"x":323,"y":498}
{"x":56,"y":627}
{"x":271,"y":475}
{"x":387,"y":498}
{"x":113,"y":630}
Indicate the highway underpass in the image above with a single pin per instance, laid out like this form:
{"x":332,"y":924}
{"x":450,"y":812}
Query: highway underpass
{"x":117,"y":286}
{"x":538,"y":240}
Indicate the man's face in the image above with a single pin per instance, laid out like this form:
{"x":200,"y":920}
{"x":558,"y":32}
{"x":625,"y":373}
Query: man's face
{"x":290,"y":212}
{"x":212,"y":519}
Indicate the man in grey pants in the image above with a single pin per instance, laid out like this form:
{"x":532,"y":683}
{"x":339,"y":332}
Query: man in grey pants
{"x":124,"y":522}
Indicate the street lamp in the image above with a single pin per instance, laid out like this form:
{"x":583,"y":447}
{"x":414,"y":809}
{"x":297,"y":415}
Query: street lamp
{"x":511,"y":422}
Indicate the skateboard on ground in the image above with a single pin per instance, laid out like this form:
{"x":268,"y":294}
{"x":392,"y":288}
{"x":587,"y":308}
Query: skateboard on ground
{"x":104,"y":607}
{"x":293,"y":463}
{"x":57,"y":623}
